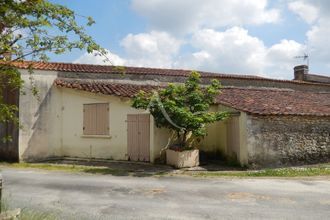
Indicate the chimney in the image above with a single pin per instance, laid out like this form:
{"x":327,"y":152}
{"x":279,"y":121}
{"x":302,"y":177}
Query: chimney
{"x":300,"y":72}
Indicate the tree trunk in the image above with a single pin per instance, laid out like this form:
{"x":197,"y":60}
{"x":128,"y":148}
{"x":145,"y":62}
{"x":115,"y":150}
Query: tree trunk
{"x":184,"y":137}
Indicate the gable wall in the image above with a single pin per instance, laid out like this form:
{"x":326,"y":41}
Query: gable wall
{"x":38,"y":116}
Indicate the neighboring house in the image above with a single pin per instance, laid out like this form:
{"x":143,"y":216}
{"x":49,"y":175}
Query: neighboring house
{"x":84,"y":111}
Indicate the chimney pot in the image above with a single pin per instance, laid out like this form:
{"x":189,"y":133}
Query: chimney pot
{"x":300,"y":72}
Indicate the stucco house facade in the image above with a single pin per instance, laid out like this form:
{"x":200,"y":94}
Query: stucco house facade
{"x":85,"y":111}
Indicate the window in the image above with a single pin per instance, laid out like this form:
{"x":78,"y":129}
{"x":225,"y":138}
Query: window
{"x":96,"y":119}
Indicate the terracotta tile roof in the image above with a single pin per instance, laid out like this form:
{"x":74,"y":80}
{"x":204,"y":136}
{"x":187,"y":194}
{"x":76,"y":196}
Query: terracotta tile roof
{"x":253,"y":101}
{"x":103,"y":87}
{"x":88,"y":68}
{"x":276,"y":101}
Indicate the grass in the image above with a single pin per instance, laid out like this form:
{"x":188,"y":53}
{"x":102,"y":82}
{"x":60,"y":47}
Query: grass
{"x":65,"y":168}
{"x":81,"y":169}
{"x":38,"y":213}
{"x":28,"y":213}
{"x":307,"y":171}
{"x":280,"y":172}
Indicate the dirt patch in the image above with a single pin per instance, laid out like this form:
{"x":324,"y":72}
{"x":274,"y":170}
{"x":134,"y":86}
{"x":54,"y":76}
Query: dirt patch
{"x":244,"y":196}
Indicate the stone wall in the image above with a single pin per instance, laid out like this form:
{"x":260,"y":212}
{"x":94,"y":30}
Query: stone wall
{"x":287,"y":140}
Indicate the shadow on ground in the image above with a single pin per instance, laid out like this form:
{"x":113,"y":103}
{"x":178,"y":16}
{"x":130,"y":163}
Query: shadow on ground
{"x":140,"y":169}
{"x":220,"y":165}
{"x":118,"y":168}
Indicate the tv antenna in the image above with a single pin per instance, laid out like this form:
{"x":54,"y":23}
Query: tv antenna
{"x":305,"y":57}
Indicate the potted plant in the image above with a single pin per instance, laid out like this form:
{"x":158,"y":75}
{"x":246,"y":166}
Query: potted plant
{"x":183,"y":108}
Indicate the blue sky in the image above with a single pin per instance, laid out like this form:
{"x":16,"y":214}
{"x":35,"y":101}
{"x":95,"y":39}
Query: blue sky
{"x":257,"y":37}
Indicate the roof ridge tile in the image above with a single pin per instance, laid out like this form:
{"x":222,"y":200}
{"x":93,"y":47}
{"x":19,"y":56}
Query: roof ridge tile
{"x":93,"y":68}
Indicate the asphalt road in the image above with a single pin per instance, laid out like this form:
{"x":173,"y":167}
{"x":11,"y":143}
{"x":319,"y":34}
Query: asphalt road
{"x":86,"y":196}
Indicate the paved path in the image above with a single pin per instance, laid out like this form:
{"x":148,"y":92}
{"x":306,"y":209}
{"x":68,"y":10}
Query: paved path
{"x":85,"y":196}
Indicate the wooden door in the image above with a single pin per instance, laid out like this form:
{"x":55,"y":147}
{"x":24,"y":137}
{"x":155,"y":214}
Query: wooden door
{"x":138,"y":137}
{"x":9,"y":148}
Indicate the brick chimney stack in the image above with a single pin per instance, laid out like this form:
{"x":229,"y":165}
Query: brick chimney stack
{"x":300,"y":72}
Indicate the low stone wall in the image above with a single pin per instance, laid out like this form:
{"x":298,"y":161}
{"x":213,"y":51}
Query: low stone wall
{"x":287,"y":140}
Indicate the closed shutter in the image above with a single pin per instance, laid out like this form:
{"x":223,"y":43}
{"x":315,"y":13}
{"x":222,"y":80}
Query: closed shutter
{"x":96,"y":119}
{"x":102,"y":119}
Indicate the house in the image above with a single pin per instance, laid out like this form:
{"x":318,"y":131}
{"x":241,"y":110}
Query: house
{"x":85,"y":111}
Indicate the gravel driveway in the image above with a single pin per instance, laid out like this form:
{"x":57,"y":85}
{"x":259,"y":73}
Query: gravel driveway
{"x":86,"y":196}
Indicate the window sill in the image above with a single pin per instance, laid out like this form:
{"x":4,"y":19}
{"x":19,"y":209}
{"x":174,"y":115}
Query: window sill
{"x":96,"y":136}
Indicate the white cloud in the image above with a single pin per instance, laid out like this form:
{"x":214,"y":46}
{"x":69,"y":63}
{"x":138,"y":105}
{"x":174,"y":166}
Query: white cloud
{"x":233,"y":50}
{"x":88,"y":58}
{"x":154,"y":49}
{"x":280,"y":58}
{"x":316,"y":12}
{"x":308,"y":12}
{"x":323,"y":6}
{"x":185,"y":16}
{"x":319,"y":41}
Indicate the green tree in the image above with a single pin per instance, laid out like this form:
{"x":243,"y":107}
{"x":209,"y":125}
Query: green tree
{"x":183,"y":108}
{"x":31,"y":29}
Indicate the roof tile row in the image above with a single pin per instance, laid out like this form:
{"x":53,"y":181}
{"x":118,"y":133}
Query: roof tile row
{"x":253,"y":101}
{"x":107,"y":69}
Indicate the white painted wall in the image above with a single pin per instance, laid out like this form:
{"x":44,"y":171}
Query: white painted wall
{"x":215,"y":140}
{"x":75,"y":144}
{"x":37,"y":115}
{"x":51,"y":126}
{"x":162,"y":137}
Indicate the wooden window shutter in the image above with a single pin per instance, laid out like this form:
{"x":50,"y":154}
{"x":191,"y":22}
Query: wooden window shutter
{"x":102,"y":119}
{"x":96,"y":119}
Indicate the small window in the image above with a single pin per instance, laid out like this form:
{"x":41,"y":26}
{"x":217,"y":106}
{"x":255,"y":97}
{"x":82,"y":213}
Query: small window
{"x":96,"y":119}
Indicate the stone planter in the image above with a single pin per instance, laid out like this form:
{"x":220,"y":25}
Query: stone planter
{"x":180,"y":159}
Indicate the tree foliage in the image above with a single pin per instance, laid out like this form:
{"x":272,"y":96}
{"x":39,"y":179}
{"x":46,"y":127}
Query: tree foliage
{"x":183,"y":108}
{"x":35,"y":27}
{"x":31,"y":29}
